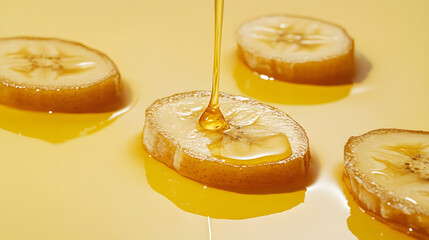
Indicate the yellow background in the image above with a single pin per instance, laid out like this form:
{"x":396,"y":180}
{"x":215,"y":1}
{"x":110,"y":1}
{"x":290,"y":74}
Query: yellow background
{"x":86,"y":177}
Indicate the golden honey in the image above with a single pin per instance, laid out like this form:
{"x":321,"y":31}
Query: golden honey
{"x":272,"y":147}
{"x":54,"y":127}
{"x":102,"y":186}
{"x":212,"y":118}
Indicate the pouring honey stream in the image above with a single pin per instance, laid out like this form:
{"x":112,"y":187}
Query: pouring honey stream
{"x":272,"y":147}
{"x":212,"y":119}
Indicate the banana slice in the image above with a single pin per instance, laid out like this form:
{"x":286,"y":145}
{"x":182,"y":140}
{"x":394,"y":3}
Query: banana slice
{"x":262,"y":146}
{"x":297,"y":49}
{"x":387,"y":171}
{"x":48,"y":74}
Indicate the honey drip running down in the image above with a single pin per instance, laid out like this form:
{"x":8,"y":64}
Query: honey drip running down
{"x":212,"y":118}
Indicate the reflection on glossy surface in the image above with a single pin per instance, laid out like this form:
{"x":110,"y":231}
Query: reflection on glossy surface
{"x":54,"y":127}
{"x":363,"y":225}
{"x":196,"y":198}
{"x":60,"y":127}
{"x":266,"y":88}
{"x":239,"y":148}
{"x":366,"y":227}
{"x":94,"y":188}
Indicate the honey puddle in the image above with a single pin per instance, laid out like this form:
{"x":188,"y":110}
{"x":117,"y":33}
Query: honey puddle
{"x":59,"y":127}
{"x":196,"y":198}
{"x":263,"y":149}
{"x":363,"y":225}
{"x":268,"y":89}
{"x":101,"y":191}
{"x":366,"y":227}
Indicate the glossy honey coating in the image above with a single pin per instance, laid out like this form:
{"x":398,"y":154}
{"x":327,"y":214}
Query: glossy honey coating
{"x":186,"y":148}
{"x":390,"y":190}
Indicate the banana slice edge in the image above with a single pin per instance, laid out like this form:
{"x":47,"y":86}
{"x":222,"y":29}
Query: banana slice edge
{"x":238,"y":175}
{"x":378,"y":201}
{"x":86,"y":96}
{"x":335,"y":68}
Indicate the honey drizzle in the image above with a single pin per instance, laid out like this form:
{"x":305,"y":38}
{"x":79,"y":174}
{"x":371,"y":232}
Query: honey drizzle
{"x":212,"y":119}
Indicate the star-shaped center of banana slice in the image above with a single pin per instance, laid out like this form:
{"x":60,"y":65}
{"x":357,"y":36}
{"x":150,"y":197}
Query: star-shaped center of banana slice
{"x":291,"y":37}
{"x":249,"y":141}
{"x":46,"y":63}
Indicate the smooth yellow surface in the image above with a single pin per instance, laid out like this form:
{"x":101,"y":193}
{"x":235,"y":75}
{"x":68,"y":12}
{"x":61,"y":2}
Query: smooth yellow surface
{"x":103,"y":186}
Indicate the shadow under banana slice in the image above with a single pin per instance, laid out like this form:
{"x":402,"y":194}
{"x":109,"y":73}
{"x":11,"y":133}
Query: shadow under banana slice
{"x":268,"y":89}
{"x":363,"y":225}
{"x":61,"y":127}
{"x":196,"y":198}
